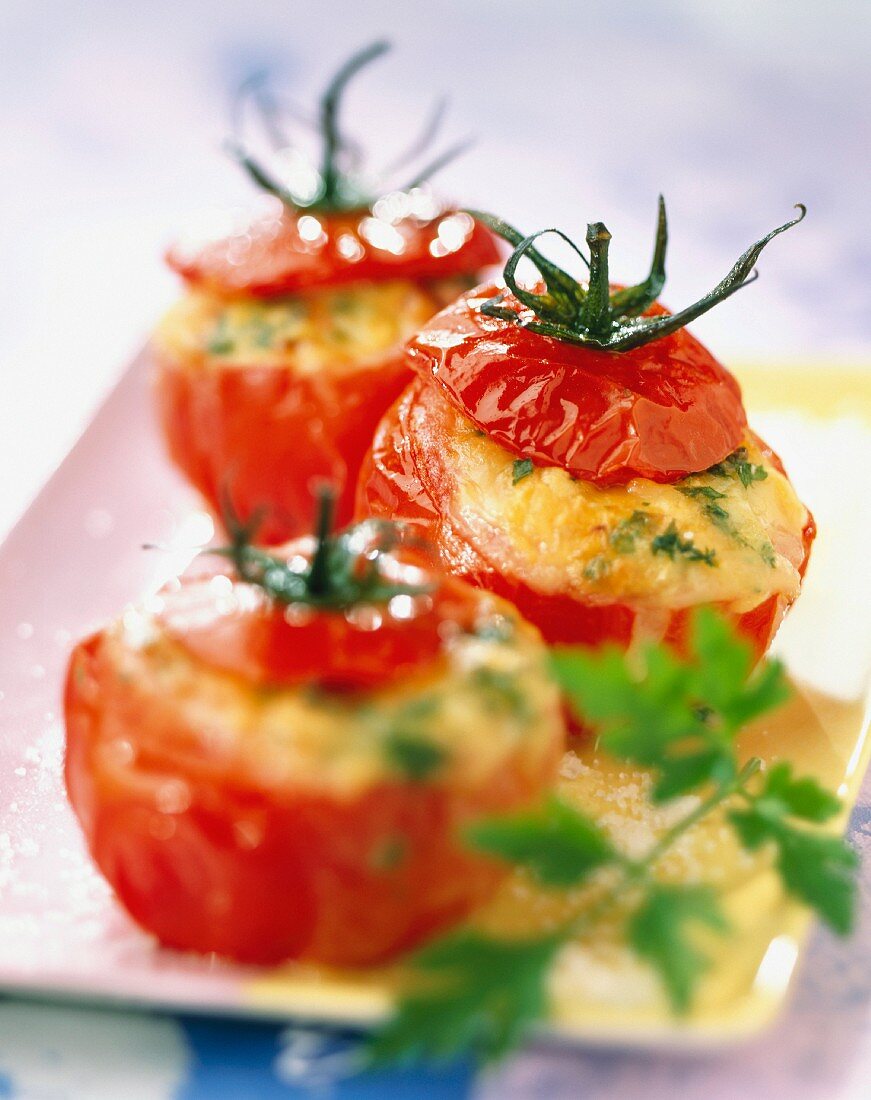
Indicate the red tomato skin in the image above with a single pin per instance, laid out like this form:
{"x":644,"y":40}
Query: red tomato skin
{"x":661,"y":411}
{"x":395,"y":482}
{"x":245,"y":633}
{"x":270,"y":257}
{"x":262,"y":436}
{"x":257,"y":875}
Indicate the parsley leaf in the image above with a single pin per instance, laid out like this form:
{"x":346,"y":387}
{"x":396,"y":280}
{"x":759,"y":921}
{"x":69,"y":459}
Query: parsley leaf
{"x":686,"y":771}
{"x":658,"y":932}
{"x":556,"y":843}
{"x":484,"y":995}
{"x":817,"y":868}
{"x":639,"y":720}
{"x":679,"y":717}
{"x":522,"y":468}
{"x":724,"y":677}
{"x":802,"y":798}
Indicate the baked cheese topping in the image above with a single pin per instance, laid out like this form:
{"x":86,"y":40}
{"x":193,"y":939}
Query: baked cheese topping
{"x":335,"y":328}
{"x":732,"y":534}
{"x":489,"y":700}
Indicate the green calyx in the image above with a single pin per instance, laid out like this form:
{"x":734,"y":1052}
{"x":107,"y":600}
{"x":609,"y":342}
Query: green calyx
{"x":337,"y":182}
{"x":593,"y":314}
{"x":345,"y":570}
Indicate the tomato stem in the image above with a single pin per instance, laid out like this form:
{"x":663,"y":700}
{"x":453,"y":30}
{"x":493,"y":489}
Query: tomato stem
{"x":319,"y":571}
{"x":593,"y":315}
{"x":339,"y":185}
{"x":346,"y":568}
{"x":597,"y":305}
{"x":332,"y":179}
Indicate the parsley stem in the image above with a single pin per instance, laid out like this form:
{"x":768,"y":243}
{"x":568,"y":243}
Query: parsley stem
{"x":702,"y":810}
{"x":635,"y":871}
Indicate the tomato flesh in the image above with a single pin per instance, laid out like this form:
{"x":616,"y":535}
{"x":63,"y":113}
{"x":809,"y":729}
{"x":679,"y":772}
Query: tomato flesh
{"x":661,"y":411}
{"x":285,"y":252}
{"x":261,"y":437}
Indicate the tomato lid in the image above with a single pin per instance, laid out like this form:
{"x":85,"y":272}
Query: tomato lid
{"x":348,"y":610}
{"x":284,"y":252}
{"x":660,"y":411}
{"x":598,"y":379}
{"x":329,"y":225}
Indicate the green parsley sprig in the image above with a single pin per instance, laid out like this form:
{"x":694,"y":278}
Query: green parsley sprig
{"x":475,"y":994}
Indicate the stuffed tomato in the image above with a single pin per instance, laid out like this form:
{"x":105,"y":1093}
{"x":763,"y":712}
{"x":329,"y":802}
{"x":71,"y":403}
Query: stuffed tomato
{"x":286,"y":348}
{"x":577,"y":451}
{"x":276,"y":760}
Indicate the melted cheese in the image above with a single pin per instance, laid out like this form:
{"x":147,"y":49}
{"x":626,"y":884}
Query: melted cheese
{"x":291,"y":738}
{"x":710,"y":538}
{"x":335,"y":328}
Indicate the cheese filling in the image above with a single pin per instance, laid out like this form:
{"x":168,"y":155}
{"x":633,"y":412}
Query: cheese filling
{"x":487,"y":701}
{"x":334,"y":328}
{"x":732,"y":534}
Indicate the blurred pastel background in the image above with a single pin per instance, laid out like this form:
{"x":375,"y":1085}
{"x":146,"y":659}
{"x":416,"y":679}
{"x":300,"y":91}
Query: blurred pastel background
{"x":112,"y":116}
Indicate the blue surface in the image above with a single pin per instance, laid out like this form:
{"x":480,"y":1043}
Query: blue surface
{"x":49,"y":1052}
{"x":232,"y":1059}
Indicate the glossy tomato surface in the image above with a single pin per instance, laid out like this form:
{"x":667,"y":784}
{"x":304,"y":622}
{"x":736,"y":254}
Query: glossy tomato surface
{"x":661,"y":411}
{"x":404,"y":476}
{"x":210,"y":864}
{"x":235,"y":627}
{"x":284,"y":252}
{"x":208,"y":849}
{"x":261,"y":436}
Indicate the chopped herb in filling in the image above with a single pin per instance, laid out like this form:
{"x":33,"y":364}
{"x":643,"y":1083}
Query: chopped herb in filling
{"x":738,"y":465}
{"x":709,"y":498}
{"x":705,"y":491}
{"x":522,"y":468}
{"x":672,"y":545}
{"x":502,"y":691}
{"x":413,"y":755}
{"x":596,"y":568}
{"x":626,"y":533}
